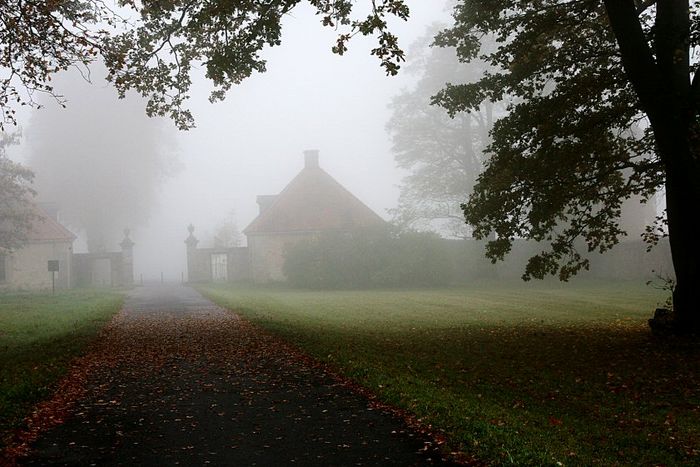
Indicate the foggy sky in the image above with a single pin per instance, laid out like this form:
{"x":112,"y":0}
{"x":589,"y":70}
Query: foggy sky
{"x":100,"y":159}
{"x":252,"y":142}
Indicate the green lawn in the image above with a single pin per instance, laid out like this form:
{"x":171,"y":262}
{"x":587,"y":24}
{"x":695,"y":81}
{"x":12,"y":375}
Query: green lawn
{"x":39,"y":335}
{"x":538,"y":374}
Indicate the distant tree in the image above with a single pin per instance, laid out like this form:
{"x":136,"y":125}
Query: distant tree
{"x":227,"y":234}
{"x":443,"y":155}
{"x":580,"y":75}
{"x":16,"y":211}
{"x":154,"y":48}
{"x":105,"y":176}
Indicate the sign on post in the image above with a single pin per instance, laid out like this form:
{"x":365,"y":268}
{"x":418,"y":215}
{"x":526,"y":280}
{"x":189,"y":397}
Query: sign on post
{"x":53,"y":269}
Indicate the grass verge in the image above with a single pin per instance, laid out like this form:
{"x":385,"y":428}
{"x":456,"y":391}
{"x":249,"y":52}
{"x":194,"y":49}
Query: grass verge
{"x":542,"y":374}
{"x":39,"y":335}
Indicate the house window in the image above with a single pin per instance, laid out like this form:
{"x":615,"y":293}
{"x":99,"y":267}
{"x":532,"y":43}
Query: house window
{"x":3,"y":273}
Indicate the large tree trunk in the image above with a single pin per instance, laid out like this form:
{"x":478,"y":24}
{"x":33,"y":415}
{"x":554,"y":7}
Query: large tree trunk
{"x":662,"y":83}
{"x":674,"y":123}
{"x":682,"y":204}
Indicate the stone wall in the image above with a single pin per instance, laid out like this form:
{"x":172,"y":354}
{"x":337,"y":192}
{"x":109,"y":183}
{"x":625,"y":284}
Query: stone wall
{"x":100,"y":270}
{"x":106,"y":269}
{"x":627,"y":260}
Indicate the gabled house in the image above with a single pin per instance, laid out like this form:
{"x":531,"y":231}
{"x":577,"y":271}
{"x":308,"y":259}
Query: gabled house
{"x":311,"y":204}
{"x":28,"y":267}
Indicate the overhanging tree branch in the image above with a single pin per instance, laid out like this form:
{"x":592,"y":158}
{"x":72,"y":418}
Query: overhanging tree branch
{"x":637,"y":57}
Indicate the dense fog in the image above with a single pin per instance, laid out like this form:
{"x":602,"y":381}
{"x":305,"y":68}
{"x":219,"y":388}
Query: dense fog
{"x":339,"y":232}
{"x":108,"y":167}
{"x":151,"y":178}
{"x":100,"y":160}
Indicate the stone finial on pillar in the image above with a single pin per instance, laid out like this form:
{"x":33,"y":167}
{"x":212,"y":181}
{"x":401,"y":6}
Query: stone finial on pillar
{"x":127,"y":243}
{"x":191,"y":241}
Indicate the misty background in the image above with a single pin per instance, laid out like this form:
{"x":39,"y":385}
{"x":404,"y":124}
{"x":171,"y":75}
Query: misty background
{"x":160,"y":180}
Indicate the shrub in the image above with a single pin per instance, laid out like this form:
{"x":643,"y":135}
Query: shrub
{"x":366,"y":259}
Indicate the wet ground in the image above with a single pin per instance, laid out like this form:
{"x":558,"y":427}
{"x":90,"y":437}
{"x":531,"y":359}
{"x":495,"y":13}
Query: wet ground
{"x":177,"y":380}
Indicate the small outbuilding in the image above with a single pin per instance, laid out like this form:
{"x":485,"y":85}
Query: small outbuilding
{"x":49,"y":246}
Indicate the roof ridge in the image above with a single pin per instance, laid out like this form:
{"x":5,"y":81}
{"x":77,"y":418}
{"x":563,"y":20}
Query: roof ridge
{"x":46,"y":228}
{"x":363,"y":213}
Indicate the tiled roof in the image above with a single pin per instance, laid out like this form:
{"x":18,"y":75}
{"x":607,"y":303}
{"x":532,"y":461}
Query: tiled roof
{"x":46,"y":229}
{"x":314,"y":201}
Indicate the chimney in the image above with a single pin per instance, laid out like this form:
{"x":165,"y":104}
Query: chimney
{"x":311,"y":159}
{"x":265,"y":201}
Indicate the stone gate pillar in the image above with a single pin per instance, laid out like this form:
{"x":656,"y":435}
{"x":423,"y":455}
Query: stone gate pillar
{"x":127,"y":260}
{"x":191,"y":243}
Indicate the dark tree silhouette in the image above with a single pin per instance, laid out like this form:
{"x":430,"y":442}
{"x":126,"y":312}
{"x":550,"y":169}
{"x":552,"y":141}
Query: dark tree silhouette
{"x":581,"y":75}
{"x":155,"y":46}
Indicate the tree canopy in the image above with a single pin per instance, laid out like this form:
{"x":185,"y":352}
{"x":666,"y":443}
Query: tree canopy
{"x":37,"y":40}
{"x":603,"y":105}
{"x":603,"y":99}
{"x":226,"y":233}
{"x":152,"y":46}
{"x":443,"y":155}
{"x":16,"y":212}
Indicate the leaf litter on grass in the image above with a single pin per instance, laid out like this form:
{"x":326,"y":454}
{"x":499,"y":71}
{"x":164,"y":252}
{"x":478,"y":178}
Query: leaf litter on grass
{"x":496,"y":382}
